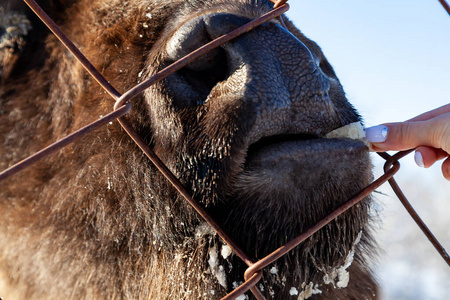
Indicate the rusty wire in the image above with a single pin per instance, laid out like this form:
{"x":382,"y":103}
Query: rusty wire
{"x":445,"y":5}
{"x":122,"y":106}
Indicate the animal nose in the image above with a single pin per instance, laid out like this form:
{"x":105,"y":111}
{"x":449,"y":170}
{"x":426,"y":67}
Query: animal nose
{"x":202,"y":30}
{"x":268,"y":70}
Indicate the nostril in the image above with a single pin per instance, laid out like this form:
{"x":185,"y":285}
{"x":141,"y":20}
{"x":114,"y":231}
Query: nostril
{"x":198,"y":32}
{"x":205,"y":75}
{"x":222,"y":23}
{"x":197,"y":79}
{"x":327,"y":68}
{"x":188,"y":38}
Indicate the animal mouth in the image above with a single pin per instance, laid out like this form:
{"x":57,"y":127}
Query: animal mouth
{"x":348,"y":137}
{"x":277,"y":140}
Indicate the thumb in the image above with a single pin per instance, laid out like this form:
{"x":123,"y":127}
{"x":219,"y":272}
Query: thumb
{"x":407,"y":135}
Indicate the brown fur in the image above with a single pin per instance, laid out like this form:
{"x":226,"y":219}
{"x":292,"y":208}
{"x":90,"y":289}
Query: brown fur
{"x":97,"y":221}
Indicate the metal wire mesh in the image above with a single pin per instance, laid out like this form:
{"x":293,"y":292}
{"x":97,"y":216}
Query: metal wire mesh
{"x":123,"y":105}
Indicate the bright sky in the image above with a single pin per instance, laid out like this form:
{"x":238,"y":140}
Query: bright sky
{"x":393,"y":59}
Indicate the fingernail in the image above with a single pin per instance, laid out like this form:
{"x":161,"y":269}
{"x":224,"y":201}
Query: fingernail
{"x":376,"y":134}
{"x":419,"y":159}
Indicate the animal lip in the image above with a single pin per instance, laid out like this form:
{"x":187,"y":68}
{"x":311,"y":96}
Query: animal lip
{"x":278,"y":139}
{"x":286,"y":143}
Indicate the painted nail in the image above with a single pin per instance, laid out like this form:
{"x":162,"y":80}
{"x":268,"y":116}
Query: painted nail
{"x":376,"y":134}
{"x":419,"y":159}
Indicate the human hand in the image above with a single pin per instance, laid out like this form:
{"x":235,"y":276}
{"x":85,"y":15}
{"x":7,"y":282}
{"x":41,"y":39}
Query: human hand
{"x":429,"y":133}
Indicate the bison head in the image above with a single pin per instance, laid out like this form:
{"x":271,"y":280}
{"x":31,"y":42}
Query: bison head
{"x":242,"y":127}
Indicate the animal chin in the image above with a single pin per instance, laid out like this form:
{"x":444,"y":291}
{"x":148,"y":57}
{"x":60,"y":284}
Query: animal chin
{"x":302,"y":178}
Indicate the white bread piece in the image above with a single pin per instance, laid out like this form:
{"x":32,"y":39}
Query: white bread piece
{"x":354,"y":131}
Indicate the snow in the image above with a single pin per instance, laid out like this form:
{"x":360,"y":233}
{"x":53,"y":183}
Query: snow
{"x":340,"y":277}
{"x":202,"y":230}
{"x":221,"y":277}
{"x":226,"y":251}
{"x":309,"y":290}
{"x":343,"y":278}
{"x":213,"y":257}
{"x":273,"y":270}
{"x":217,"y":270}
{"x":235,"y":285}
{"x":293,"y":291}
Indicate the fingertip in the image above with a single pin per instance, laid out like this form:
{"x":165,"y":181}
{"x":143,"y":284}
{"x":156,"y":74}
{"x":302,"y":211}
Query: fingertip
{"x":391,"y":136}
{"x":428,"y":156}
{"x":446,"y":169}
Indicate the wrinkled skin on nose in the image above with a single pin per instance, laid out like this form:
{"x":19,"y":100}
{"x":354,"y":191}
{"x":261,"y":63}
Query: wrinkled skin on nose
{"x":274,"y":63}
{"x":274,"y":80}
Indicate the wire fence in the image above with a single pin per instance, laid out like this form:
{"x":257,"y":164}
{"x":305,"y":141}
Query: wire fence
{"x":123,"y":104}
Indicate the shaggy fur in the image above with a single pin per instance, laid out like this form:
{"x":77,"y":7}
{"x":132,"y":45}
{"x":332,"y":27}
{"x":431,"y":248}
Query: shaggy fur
{"x":97,"y":221}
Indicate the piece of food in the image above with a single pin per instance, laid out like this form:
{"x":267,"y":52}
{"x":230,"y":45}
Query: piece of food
{"x":354,"y":131}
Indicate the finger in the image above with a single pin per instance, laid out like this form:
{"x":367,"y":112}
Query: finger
{"x":395,"y":136}
{"x":432,"y":114}
{"x":427,"y":156}
{"x":446,"y":169}
{"x":407,"y":135}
